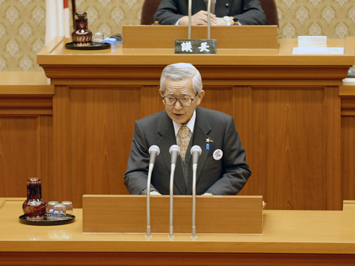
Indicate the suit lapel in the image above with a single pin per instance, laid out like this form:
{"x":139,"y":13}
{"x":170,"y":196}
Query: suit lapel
{"x":201,"y":131}
{"x":166,"y":131}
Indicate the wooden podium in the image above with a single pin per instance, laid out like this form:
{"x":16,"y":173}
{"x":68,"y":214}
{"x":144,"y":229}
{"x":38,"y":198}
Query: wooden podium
{"x":214,"y":214}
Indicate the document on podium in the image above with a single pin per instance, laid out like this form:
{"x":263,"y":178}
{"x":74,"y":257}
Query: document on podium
{"x":318,"y":50}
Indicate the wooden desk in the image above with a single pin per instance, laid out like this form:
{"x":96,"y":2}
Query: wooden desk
{"x":289,"y":238}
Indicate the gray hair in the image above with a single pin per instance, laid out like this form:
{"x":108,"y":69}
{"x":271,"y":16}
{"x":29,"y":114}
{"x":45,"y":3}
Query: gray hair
{"x":181,"y":71}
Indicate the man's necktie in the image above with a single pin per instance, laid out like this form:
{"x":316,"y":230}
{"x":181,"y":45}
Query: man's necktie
{"x":184,"y":140}
{"x":213,"y":5}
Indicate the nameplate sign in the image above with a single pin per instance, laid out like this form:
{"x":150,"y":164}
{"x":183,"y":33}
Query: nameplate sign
{"x":196,"y":46}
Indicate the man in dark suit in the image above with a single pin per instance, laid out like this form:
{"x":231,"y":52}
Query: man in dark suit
{"x":222,"y":169}
{"x":247,"y":12}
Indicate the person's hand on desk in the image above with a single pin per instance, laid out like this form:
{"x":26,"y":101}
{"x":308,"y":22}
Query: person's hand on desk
{"x":207,"y":194}
{"x":200,"y":18}
{"x":225,"y":21}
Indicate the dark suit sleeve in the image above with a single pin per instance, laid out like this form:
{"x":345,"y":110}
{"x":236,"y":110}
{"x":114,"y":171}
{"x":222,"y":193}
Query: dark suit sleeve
{"x":168,"y":12}
{"x":136,"y":174}
{"x":252,"y":13}
{"x":236,"y":170}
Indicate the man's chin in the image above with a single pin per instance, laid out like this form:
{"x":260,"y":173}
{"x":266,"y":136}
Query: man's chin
{"x":181,"y":119}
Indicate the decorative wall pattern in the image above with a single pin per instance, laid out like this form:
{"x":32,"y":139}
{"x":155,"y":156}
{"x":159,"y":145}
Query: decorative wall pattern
{"x":22,"y":30}
{"x":22,"y":23}
{"x":108,"y":16}
{"x":332,"y":18}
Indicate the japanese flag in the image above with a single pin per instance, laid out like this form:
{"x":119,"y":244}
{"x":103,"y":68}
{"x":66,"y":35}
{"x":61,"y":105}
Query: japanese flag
{"x":57,"y":19}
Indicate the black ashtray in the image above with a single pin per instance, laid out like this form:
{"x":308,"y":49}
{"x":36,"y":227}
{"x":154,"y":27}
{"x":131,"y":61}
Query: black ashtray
{"x":93,"y":46}
{"x":65,"y":220}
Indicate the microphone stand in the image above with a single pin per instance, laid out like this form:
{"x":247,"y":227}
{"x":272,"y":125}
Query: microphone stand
{"x":209,"y":19}
{"x":154,"y":152}
{"x":151,"y":165}
{"x":174,"y":151}
{"x":171,"y":228}
{"x":195,"y":152}
{"x":194,"y":169}
{"x":189,"y":12}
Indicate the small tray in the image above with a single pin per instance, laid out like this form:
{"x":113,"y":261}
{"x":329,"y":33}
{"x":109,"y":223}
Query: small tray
{"x":93,"y":46}
{"x":67,"y":220}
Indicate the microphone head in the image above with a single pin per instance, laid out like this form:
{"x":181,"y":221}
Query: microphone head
{"x":154,"y":148}
{"x":174,"y":148}
{"x":196,"y":148}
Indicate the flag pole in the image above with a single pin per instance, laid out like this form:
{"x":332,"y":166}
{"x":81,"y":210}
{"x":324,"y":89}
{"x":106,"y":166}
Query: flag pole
{"x":73,"y":10}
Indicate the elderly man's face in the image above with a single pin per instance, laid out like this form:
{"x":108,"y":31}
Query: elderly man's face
{"x":181,"y":88}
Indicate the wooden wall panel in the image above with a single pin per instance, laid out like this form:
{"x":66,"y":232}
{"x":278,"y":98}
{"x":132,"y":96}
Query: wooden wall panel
{"x":26,"y":150}
{"x":242,"y":113}
{"x":62,"y":181}
{"x":45,"y":160}
{"x":331,"y":181}
{"x":291,"y":136}
{"x":150,"y":101}
{"x":25,"y":132}
{"x":101,"y":133}
{"x":34,"y":106}
{"x":18,"y":154}
{"x":287,"y":144}
{"x":96,"y":128}
{"x":348,"y":157}
{"x":218,"y":98}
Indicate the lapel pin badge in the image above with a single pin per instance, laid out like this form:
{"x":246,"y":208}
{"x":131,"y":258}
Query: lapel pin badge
{"x":208,"y":140}
{"x":217,"y":154}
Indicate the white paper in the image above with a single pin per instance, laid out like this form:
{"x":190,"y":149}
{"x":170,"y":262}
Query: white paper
{"x":312,"y":41}
{"x":318,"y":50}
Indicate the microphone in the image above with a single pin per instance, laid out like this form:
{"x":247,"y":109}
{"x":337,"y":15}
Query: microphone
{"x":174,"y":151}
{"x":154,"y":152}
{"x":195,"y":152}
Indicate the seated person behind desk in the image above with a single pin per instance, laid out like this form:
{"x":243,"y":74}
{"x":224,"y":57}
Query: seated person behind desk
{"x":222,"y":169}
{"x":175,"y":12}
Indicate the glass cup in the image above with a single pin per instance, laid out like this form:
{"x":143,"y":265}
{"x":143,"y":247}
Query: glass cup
{"x":59,"y":211}
{"x":69,"y":207}
{"x":50,"y":209}
{"x":98,"y":37}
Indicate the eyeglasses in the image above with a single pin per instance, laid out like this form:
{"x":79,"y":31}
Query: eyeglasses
{"x":184,"y":101}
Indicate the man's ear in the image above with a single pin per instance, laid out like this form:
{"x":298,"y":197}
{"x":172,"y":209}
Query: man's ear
{"x":200,"y":97}
{"x":161,"y":93}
